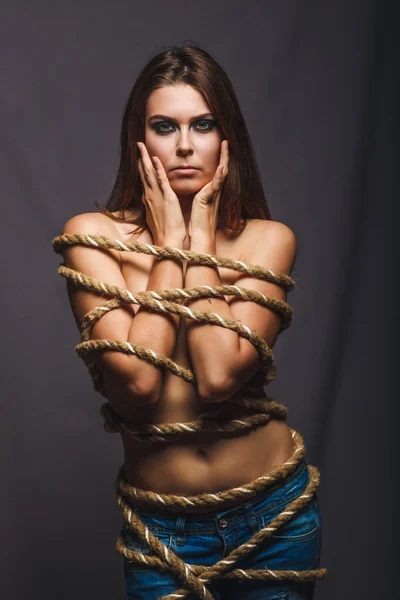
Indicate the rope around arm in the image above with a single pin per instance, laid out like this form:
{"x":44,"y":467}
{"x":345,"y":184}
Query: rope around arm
{"x":192,"y":577}
{"x":163,"y":301}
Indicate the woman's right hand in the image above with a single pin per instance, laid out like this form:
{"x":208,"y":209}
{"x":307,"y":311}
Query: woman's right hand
{"x":163,"y":212}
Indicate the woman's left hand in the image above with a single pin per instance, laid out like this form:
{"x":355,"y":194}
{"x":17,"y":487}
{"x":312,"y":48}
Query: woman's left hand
{"x":204,"y":215}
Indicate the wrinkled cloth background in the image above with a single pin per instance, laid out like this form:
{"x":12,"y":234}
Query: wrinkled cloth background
{"x":317,"y":85}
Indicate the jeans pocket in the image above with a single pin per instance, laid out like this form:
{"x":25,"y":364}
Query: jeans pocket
{"x":133,"y":542}
{"x":295,"y":545}
{"x":302,"y":526}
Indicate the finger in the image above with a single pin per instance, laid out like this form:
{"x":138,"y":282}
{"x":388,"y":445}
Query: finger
{"x":162,"y":178}
{"x":147,"y":166}
{"x":143,"y":178}
{"x":141,"y":172}
{"x":218,"y":178}
{"x":210,"y":190}
{"x":217,"y":181}
{"x":224,"y":156}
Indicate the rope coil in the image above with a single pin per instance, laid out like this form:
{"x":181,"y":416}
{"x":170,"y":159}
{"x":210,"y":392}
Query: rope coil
{"x":193,"y":578}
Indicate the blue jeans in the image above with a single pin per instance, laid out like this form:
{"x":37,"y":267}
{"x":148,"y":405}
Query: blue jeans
{"x":208,"y":538}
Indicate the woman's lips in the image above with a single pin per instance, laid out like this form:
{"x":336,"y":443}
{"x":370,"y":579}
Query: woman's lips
{"x":185,"y":171}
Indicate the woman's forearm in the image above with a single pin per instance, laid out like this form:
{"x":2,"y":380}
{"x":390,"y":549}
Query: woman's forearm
{"x":154,"y":330}
{"x":213,"y":349}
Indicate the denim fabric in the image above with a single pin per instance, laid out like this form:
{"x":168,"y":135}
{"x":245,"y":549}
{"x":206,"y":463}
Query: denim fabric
{"x":205,"y":539}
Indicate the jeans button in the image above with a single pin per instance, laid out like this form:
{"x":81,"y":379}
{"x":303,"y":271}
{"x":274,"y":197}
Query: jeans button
{"x":223,"y":523}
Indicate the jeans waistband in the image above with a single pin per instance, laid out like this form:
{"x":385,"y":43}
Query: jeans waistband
{"x":233,"y":511}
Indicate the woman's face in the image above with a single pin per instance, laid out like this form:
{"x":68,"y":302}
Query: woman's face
{"x":184,"y":132}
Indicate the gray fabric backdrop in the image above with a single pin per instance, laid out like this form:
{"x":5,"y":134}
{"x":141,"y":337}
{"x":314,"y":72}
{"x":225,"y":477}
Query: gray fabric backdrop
{"x":316,"y":84}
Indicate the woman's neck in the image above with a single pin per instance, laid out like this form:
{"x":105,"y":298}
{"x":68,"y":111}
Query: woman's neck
{"x":186,"y":207}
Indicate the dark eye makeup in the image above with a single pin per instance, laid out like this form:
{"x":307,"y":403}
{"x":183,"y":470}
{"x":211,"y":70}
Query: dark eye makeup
{"x":159,"y":126}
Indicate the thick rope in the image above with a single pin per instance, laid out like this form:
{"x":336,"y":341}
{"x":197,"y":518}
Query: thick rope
{"x":191,"y":575}
{"x":193,"y":578}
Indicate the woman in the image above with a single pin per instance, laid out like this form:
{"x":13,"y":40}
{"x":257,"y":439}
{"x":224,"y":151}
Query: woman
{"x":188,"y":179}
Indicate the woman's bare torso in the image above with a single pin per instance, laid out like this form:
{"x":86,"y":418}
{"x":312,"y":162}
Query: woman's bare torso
{"x":198,"y":463}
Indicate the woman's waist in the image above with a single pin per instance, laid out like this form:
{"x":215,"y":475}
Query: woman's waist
{"x":208,"y":463}
{"x":281,"y":489}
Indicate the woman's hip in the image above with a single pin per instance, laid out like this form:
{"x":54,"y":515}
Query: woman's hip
{"x":207,"y":539}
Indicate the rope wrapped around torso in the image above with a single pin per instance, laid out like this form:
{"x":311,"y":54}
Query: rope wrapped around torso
{"x":261,"y":408}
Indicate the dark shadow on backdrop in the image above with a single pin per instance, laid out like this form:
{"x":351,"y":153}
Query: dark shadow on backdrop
{"x":317,"y":82}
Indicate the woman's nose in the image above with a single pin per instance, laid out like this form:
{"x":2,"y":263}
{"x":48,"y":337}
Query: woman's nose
{"x":184,"y":143}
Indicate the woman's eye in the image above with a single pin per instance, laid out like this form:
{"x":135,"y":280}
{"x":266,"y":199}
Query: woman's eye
{"x":210,"y":125}
{"x":166,"y":127}
{"x":158,"y":127}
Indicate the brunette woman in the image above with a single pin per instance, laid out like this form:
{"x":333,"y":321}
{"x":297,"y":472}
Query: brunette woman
{"x":188,"y":179}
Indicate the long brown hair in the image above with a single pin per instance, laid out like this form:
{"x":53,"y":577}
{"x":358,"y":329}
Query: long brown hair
{"x":242,"y":196}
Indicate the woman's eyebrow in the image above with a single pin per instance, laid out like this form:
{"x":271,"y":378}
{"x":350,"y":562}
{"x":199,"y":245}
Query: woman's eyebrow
{"x":203,"y":116}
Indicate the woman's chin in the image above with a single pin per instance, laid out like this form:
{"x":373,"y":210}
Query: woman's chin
{"x":185,"y":188}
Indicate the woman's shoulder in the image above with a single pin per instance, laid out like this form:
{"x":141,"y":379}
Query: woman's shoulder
{"x":267,"y":230}
{"x":91,"y":222}
{"x":272,"y":244}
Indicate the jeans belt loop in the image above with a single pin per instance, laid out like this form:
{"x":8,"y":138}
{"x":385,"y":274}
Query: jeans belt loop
{"x":250,"y":516}
{"x":180,"y":530}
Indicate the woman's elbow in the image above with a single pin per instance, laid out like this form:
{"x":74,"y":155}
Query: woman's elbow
{"x":214,"y":392}
{"x":145,"y":391}
{"x":130,"y":394}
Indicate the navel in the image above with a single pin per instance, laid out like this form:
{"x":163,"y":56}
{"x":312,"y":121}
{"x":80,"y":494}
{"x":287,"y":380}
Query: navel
{"x":202,"y":451}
